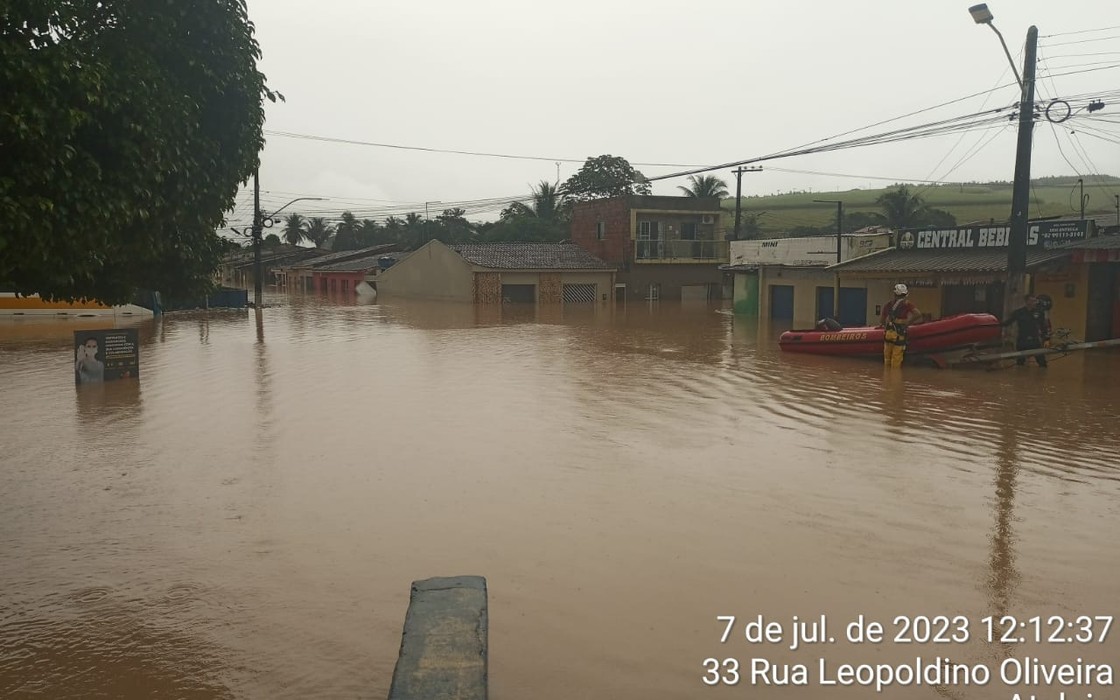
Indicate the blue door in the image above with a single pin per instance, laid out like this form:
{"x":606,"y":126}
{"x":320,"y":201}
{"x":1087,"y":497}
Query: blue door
{"x":781,"y":302}
{"x":825,"y":309}
{"x":853,"y":306}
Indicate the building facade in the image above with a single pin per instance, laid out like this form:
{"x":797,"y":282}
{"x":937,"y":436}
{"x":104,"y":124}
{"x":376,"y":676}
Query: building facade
{"x":964,"y":270}
{"x":787,"y":280}
{"x":497,"y":273}
{"x":663,"y":247}
{"x":328,"y":271}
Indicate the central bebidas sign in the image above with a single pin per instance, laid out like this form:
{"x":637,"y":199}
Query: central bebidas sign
{"x":1045,"y":234}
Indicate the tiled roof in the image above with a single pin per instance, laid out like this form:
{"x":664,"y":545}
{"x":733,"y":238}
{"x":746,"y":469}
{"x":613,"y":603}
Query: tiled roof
{"x":529,"y":256}
{"x":895,"y":260}
{"x":1098,"y":243}
{"x":356,"y":265}
{"x":272,"y":257}
{"x":346,"y":255}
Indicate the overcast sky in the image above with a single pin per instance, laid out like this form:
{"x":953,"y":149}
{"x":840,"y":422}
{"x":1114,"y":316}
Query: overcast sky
{"x":660,"y":82}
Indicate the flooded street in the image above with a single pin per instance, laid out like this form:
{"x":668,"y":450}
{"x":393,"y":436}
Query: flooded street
{"x":245,"y":520}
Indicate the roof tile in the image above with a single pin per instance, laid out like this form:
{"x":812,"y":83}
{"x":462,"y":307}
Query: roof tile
{"x":529,"y":256}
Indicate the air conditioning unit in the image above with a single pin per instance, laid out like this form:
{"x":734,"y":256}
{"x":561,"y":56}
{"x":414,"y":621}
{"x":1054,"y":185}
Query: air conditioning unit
{"x":708,"y":219}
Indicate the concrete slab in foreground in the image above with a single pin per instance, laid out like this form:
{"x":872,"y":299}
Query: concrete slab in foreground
{"x":444,"y":648}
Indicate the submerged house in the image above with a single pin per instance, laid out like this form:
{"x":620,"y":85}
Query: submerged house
{"x":663,"y":247}
{"x":495,"y":273}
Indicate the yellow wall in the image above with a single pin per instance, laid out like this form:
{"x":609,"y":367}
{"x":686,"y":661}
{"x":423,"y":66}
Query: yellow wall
{"x":603,"y":281}
{"x":1068,"y":312}
{"x":433,"y":272}
{"x":805,"y":282}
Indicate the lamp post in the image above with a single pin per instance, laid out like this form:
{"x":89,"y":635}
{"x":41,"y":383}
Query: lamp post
{"x":1020,"y":197}
{"x":259,"y":218}
{"x":839,"y":250}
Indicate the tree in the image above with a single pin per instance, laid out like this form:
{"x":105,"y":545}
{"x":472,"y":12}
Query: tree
{"x":454,"y":226}
{"x":346,"y":233}
{"x":705,"y":186}
{"x":318,"y":231}
{"x":902,"y":209}
{"x":605,"y":176}
{"x":271,"y":241}
{"x":547,"y":202}
{"x":293,"y":229}
{"x":125,"y":130}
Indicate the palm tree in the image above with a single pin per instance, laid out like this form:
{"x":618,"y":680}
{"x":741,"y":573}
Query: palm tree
{"x":548,"y":203}
{"x":346,"y":233}
{"x":318,"y":231}
{"x":293,"y":229}
{"x":705,"y":186}
{"x":901,"y":208}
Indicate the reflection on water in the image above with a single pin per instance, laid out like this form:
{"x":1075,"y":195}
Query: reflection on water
{"x":246,"y":519}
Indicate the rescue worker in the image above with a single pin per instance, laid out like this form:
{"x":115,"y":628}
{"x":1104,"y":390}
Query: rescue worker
{"x":898,"y":315}
{"x":1033,"y":329}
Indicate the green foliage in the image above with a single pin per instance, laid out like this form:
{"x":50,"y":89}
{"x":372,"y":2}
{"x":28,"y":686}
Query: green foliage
{"x":548,"y":203}
{"x":527,"y":229}
{"x":294,"y":225}
{"x":346,"y":233}
{"x":318,"y":231}
{"x":125,"y":129}
{"x":271,"y":241}
{"x":901,"y":207}
{"x":704,"y":186}
{"x":905,"y":209}
{"x":605,"y":176}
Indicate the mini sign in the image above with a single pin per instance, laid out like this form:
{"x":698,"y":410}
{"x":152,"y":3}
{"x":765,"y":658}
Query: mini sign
{"x":1044,"y":234}
{"x":106,"y":355}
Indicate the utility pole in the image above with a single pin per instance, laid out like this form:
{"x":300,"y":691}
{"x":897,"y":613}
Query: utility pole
{"x":1021,"y":195}
{"x":257,"y":225}
{"x":1118,"y":210}
{"x":739,"y":194}
{"x":1084,"y":197}
{"x":839,"y":251}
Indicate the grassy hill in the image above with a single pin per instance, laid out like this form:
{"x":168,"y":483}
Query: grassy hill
{"x":1050,"y":196}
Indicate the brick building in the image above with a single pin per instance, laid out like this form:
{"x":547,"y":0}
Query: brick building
{"x":664,"y":247}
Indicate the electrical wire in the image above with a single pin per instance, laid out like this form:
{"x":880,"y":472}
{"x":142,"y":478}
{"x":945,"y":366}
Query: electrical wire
{"x":426,"y":149}
{"x":1080,"y":31}
{"x":1083,"y":41}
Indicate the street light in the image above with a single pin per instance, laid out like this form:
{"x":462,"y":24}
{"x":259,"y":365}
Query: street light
{"x":1020,"y":197}
{"x":839,"y":250}
{"x":982,"y":15}
{"x":258,"y":224}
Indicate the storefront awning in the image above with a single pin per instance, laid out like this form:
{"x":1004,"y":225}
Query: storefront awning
{"x":893,"y":261}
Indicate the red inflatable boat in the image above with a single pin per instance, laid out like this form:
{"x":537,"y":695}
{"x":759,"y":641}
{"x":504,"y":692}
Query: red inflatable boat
{"x":948,"y":333}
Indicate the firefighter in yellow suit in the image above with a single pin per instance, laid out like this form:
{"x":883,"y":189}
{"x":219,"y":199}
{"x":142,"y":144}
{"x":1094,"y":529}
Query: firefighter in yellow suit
{"x":898,"y":315}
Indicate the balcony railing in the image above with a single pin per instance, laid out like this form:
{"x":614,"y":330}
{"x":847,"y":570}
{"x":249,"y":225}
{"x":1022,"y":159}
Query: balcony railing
{"x":678,"y":251}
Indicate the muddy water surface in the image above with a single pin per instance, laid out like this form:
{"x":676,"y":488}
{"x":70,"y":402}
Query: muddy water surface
{"x":246,"y":520}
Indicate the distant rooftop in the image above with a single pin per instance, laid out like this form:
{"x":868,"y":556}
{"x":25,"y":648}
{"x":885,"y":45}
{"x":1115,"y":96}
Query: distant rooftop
{"x":529,"y":256}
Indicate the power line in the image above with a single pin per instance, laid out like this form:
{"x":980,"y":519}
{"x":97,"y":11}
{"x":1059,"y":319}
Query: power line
{"x":982,"y":120}
{"x":1080,"y":31}
{"x":426,"y":149}
{"x":1084,"y":41}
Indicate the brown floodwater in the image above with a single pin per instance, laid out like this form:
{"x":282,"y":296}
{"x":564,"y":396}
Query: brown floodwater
{"x":246,"y":519}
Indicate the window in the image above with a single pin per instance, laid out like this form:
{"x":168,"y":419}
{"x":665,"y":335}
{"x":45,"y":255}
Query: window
{"x":688,"y":231}
{"x":579,"y":293}
{"x":648,"y":230}
{"x":601,"y":230}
